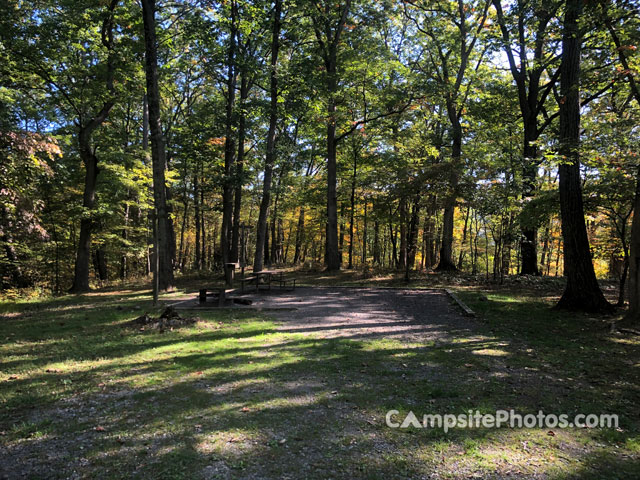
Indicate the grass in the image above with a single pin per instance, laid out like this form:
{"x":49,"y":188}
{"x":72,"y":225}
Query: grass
{"x":233,"y":397}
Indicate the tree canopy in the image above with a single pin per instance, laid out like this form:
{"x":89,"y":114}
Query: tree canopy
{"x":486,"y":137}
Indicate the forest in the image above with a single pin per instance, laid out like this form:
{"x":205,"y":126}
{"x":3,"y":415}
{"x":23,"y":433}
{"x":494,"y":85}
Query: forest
{"x":314,"y":239}
{"x":485,"y":137}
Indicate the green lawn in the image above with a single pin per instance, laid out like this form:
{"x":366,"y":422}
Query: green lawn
{"x":232,"y":397}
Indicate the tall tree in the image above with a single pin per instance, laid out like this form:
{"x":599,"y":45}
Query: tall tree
{"x":623,"y":25}
{"x":449,"y":56}
{"x":582,"y":291}
{"x":90,"y":160}
{"x":531,"y":52}
{"x":229,"y":145}
{"x":158,"y":155}
{"x":262,"y":233}
{"x":329,"y":21}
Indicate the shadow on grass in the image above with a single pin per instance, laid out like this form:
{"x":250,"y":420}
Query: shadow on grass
{"x":251,"y":401}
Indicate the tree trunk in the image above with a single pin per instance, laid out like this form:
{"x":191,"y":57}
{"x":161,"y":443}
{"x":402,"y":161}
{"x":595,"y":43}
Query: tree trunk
{"x":100,"y":262}
{"x":88,"y":157}
{"x":376,"y":239}
{"x":464,"y":237}
{"x":299,"y":238}
{"x":229,"y":143}
{"x":402,"y":262}
{"x":529,"y":239}
{"x":239,"y":180}
{"x":446,"y":248}
{"x":197,"y":263}
{"x":18,"y":278}
{"x":332,"y":254}
{"x":364,"y":234}
{"x":582,"y":291}
{"x":204,"y":259}
{"x":81,"y":272}
{"x":633,"y":315}
{"x":353,"y":209}
{"x":158,"y":154}
{"x":183,"y":229}
{"x":261,"y":235}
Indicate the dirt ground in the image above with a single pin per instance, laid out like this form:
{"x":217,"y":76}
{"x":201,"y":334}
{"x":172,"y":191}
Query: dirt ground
{"x":351,"y":312}
{"x":365,"y":312}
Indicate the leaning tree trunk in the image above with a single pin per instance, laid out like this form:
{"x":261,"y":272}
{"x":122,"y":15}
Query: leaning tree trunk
{"x":582,"y":291}
{"x":158,"y":154}
{"x":261,"y":234}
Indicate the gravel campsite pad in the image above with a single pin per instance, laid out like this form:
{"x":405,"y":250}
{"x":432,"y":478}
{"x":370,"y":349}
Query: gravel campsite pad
{"x":415,"y":315}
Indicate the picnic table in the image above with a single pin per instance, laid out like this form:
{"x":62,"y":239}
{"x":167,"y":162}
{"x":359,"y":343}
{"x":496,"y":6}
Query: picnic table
{"x":267,"y":277}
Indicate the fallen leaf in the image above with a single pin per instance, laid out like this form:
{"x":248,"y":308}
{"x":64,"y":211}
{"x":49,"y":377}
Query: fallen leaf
{"x":551,"y":433}
{"x":245,"y":409}
{"x":99,"y":429}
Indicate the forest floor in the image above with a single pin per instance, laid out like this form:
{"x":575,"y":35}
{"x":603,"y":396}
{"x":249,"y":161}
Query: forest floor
{"x":303,"y":393}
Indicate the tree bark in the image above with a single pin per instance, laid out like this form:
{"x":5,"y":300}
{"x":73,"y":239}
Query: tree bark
{"x":261,"y":234}
{"x":229,"y":144}
{"x":582,"y":291}
{"x":446,"y":262}
{"x":353,"y":208}
{"x":328,"y":37}
{"x":239,"y":180}
{"x":332,"y":254}
{"x":158,"y":153}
